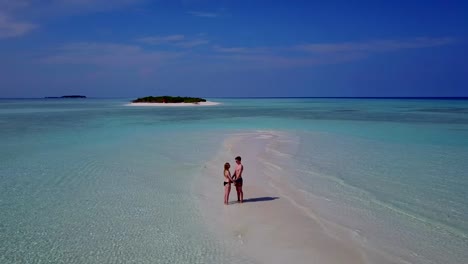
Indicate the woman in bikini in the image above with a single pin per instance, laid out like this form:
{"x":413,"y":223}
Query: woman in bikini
{"x":227,"y":182}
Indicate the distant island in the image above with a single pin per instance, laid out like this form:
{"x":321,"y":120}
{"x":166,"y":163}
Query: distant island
{"x":169,"y":99}
{"x":65,"y":96}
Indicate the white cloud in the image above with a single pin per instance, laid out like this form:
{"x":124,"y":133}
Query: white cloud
{"x":279,"y":60}
{"x":11,"y":10}
{"x":203,"y":14}
{"x":108,"y":54}
{"x":10,"y":28}
{"x":316,"y":54}
{"x":193,"y":43}
{"x":230,"y":49}
{"x":86,"y":6}
{"x":241,"y":50}
{"x":124,"y":55}
{"x":10,"y":5}
{"x":157,"y":40}
{"x":175,"y":40}
{"x":375,"y":46}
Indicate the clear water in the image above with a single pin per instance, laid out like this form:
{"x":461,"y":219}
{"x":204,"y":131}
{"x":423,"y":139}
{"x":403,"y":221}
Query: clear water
{"x":95,"y":181}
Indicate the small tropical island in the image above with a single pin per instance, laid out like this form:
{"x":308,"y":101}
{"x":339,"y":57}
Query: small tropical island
{"x":170,"y":101}
{"x":65,"y":97}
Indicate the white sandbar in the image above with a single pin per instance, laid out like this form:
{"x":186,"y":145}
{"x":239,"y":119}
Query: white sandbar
{"x":273,"y":225}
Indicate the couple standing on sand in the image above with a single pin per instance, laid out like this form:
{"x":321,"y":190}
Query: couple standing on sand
{"x":236,"y":179}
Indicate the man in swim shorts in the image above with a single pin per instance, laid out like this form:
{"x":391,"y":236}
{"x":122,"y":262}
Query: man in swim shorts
{"x":238,"y":179}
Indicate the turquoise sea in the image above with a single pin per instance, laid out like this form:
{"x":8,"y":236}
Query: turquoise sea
{"x":96,"y":181}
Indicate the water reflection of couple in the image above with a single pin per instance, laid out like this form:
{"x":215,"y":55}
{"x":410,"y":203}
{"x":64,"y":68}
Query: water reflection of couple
{"x":236,"y":179}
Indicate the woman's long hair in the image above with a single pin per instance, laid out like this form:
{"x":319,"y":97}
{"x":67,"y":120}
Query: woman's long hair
{"x":226,"y":166}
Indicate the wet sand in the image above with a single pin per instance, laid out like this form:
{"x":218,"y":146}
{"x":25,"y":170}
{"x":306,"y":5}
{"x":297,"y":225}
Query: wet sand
{"x":273,"y":225}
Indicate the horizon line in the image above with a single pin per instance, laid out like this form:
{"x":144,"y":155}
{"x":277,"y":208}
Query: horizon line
{"x":272,"y":97}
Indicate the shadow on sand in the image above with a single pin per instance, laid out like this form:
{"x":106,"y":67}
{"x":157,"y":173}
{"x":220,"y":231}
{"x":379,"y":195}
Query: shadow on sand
{"x":260,"y":199}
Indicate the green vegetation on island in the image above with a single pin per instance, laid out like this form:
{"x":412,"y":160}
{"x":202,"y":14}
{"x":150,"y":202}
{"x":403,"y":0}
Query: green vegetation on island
{"x":65,"y":97}
{"x":168,"y":99}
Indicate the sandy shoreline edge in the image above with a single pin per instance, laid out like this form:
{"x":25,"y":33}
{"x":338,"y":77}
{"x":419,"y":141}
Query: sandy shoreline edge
{"x":207,"y":103}
{"x":273,"y":225}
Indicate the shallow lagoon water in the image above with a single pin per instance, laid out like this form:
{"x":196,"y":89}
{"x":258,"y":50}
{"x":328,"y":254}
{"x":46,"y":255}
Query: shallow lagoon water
{"x":95,"y":181}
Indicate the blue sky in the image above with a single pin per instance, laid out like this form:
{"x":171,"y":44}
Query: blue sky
{"x":129,"y":48}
